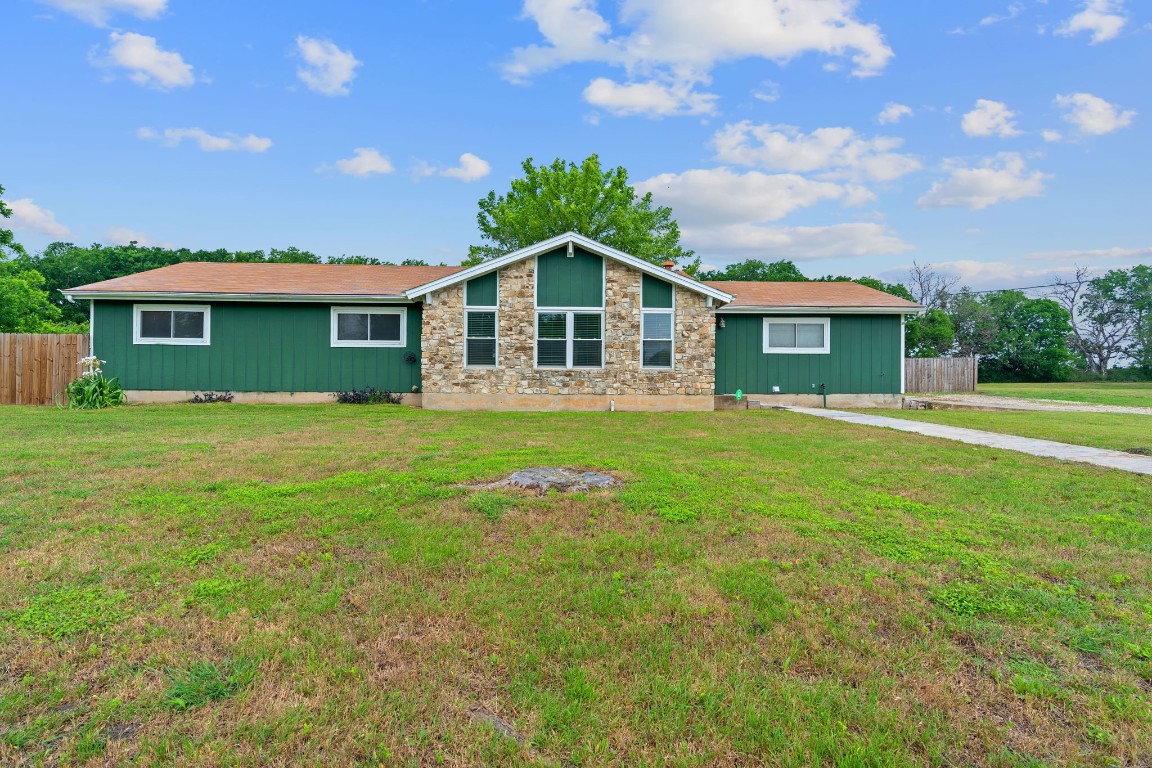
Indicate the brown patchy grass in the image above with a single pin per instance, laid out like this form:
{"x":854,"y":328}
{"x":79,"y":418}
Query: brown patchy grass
{"x":763,"y":590}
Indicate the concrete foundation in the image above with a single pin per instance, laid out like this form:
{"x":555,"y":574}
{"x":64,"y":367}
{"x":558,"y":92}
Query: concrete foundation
{"x":274,"y":398}
{"x":505,"y":402}
{"x":834,"y":400}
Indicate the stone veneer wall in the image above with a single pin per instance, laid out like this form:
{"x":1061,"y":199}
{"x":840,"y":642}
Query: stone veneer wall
{"x":442,"y":342}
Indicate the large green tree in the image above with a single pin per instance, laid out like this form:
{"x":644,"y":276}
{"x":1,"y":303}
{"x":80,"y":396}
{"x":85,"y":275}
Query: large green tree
{"x":550,"y":200}
{"x":783,"y":271}
{"x":1030,"y":342}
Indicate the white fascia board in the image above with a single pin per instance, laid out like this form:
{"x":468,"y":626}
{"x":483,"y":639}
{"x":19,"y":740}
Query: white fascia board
{"x":587,"y":244}
{"x":254,"y":297}
{"x":747,"y":310}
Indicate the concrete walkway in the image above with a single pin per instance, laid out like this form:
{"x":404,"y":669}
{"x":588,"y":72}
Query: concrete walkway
{"x":1127,"y":462}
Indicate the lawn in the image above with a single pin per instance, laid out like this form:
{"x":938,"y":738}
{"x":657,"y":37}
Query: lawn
{"x":252,"y":585}
{"x":1132,"y":393}
{"x":1115,"y":431}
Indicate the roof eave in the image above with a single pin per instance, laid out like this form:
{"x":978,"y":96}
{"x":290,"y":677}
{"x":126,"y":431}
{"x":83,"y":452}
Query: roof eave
{"x":837,"y":310}
{"x":73,"y":294}
{"x":587,"y":244}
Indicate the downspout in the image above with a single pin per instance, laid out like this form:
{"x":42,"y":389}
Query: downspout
{"x":903,"y":351}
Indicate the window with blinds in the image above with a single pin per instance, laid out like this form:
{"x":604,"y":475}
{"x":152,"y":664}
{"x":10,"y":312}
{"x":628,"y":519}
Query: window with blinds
{"x":569,"y":339}
{"x":480,"y":338}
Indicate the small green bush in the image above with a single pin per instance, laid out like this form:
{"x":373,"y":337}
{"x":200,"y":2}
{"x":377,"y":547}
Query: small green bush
{"x":92,"y":390}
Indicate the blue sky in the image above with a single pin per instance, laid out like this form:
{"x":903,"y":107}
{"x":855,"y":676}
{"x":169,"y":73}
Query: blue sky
{"x":1003,"y":140}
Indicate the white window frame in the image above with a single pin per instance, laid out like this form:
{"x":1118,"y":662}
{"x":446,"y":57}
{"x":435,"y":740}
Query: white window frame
{"x":373,"y":310}
{"x":826,"y":349}
{"x":671,"y":339}
{"x":569,"y":333}
{"x":202,"y":342}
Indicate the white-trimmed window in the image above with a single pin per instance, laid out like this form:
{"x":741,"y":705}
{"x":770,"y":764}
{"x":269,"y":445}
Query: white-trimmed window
{"x":797,"y":335}
{"x":369,"y":326}
{"x":656,"y":332}
{"x":569,"y":339}
{"x":187,"y":324}
{"x":480,"y":338}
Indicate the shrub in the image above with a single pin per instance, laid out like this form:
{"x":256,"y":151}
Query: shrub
{"x":91,"y":390}
{"x":213,"y":397}
{"x":369,"y":396}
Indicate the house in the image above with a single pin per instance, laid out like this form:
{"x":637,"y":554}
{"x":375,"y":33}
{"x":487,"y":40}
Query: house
{"x":566,"y":324}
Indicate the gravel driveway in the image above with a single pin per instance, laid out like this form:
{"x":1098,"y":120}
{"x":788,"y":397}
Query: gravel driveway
{"x":994,"y":403}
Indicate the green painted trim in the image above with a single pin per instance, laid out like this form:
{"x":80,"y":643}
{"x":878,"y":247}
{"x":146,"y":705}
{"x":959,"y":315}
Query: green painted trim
{"x":657,"y":294}
{"x":481,"y":291}
{"x":569,"y":282}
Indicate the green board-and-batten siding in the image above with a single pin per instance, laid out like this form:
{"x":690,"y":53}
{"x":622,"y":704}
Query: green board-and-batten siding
{"x":481,"y":291}
{"x":255,"y":348}
{"x":569,"y":282}
{"x":864,"y":358}
{"x":656,"y":294}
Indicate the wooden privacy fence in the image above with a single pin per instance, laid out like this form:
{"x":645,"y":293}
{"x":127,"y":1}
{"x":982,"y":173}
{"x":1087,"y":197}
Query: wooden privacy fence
{"x":939,"y":374}
{"x":36,"y":367}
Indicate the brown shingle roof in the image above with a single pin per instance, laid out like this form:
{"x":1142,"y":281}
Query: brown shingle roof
{"x":840,"y":294}
{"x":197,"y":277}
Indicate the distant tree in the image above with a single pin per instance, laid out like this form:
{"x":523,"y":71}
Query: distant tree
{"x":929,"y":286}
{"x":25,"y":306}
{"x":1031,"y":340}
{"x":929,"y":335}
{"x":755,"y":270}
{"x":550,"y":200}
{"x":974,"y":322}
{"x":8,"y":244}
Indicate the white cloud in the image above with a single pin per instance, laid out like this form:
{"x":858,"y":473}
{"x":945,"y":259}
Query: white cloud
{"x":98,"y":12}
{"x":1092,"y":115}
{"x":327,"y":69}
{"x":768,"y":91}
{"x":1115,"y":253}
{"x":470,"y":168}
{"x":1013,"y":11}
{"x":651,"y":99}
{"x":1103,"y":19}
{"x":125,"y":236}
{"x":27,"y":216}
{"x":797,"y":243}
{"x":894,"y":113}
{"x":667,"y":47}
{"x":146,"y":63}
{"x":1052,"y":136}
{"x":718,"y":196}
{"x":998,"y":179}
{"x":228,"y":142}
{"x":990,"y":118}
{"x":365,"y":161}
{"x":838,"y":152}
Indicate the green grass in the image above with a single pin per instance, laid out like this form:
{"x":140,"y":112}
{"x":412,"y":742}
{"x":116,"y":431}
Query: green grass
{"x":254,"y":585}
{"x":1136,"y":394}
{"x":1115,"y":431}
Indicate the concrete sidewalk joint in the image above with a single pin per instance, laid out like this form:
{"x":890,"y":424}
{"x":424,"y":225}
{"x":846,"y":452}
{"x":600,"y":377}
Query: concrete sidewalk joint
{"x":1046,"y":448}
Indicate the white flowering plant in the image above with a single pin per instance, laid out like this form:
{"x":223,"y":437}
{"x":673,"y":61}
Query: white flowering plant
{"x":91,"y":389}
